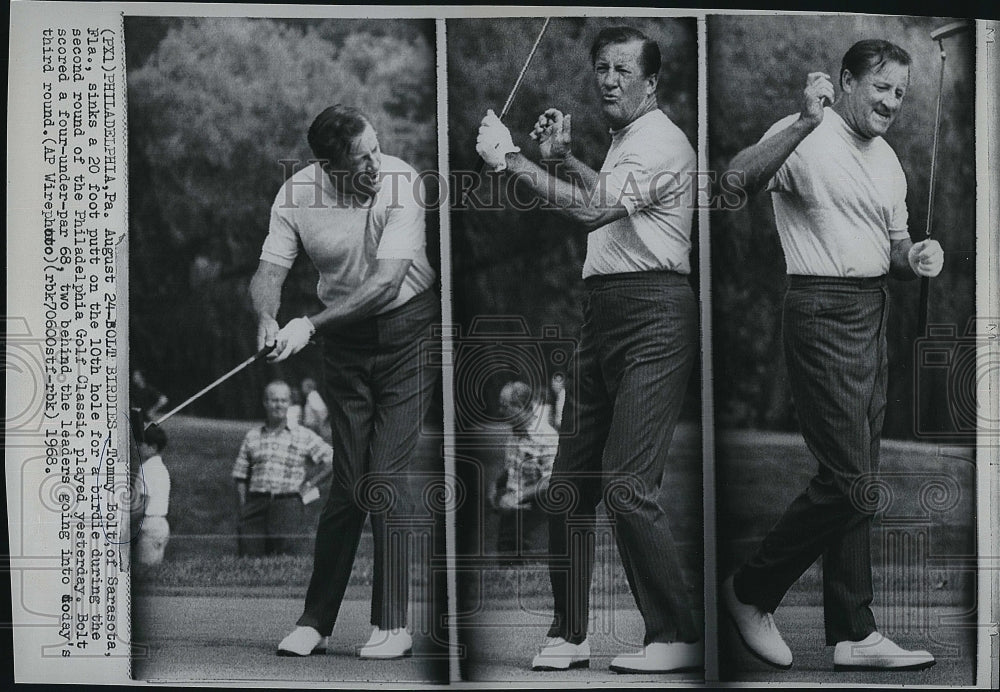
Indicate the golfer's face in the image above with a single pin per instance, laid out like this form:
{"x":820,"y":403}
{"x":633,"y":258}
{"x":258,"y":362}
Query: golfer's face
{"x":624,"y":87}
{"x":363,"y":162}
{"x":874,"y":99}
{"x":276,"y":401}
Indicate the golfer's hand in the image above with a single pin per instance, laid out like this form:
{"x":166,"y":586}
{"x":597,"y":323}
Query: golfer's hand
{"x":817,"y":94}
{"x":553,"y":132}
{"x":926,"y":258}
{"x":494,"y":142}
{"x":292,"y":338}
{"x":267,"y":331}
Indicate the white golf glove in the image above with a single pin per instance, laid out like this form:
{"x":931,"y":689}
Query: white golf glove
{"x":292,"y":338}
{"x":926,"y":258}
{"x":494,"y":142}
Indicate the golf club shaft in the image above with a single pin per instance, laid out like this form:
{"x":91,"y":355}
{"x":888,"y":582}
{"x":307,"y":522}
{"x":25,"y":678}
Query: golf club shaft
{"x":252,"y":359}
{"x":524,"y":69}
{"x":949,"y":30}
{"x":517,"y":85}
{"x":924,"y":305}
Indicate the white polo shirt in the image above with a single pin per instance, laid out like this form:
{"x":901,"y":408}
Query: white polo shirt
{"x":343,"y":238}
{"x":650,"y":170}
{"x":154,"y":483}
{"x":839,"y":200}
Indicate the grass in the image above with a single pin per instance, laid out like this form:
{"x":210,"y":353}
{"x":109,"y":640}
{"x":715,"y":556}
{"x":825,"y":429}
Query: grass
{"x":758,"y":474}
{"x":930,"y":502}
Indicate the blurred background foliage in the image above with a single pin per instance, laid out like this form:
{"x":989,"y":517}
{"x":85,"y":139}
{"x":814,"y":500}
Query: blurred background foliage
{"x":757,"y":67}
{"x":528,"y":264}
{"x":215,"y":107}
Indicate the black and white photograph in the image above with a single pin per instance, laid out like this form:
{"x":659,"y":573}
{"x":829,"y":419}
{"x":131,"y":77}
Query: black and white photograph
{"x":468,"y":346}
{"x":579,"y":552}
{"x":284,"y":350}
{"x":843,"y":295}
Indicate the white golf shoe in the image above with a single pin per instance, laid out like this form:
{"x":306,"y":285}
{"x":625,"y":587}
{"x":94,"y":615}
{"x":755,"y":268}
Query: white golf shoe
{"x":662,"y":657}
{"x":559,"y":654}
{"x":876,"y":652}
{"x":757,"y":629}
{"x":301,"y":642}
{"x":387,"y":644}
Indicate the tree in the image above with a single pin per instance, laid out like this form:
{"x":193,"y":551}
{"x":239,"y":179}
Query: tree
{"x":218,"y":114}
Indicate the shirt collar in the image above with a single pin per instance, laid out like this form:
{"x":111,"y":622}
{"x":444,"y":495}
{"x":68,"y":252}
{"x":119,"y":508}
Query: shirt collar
{"x":633,"y":124}
{"x":339,"y":199}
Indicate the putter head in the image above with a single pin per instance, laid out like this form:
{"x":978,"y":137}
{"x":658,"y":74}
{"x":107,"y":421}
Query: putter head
{"x":949,"y":30}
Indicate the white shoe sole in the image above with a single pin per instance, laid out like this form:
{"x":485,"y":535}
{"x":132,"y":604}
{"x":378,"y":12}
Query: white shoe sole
{"x":379,"y":657}
{"x":848,"y":667}
{"x":318,"y":650}
{"x":293,"y":654}
{"x":551,"y":668}
{"x":655,"y":671}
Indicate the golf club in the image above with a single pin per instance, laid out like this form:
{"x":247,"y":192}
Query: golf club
{"x":938,"y":35}
{"x":510,"y":96}
{"x":252,"y":359}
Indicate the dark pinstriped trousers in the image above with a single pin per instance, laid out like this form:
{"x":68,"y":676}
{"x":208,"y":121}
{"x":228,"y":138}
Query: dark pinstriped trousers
{"x":835,"y":348}
{"x":638,"y":344}
{"x":377,"y":400}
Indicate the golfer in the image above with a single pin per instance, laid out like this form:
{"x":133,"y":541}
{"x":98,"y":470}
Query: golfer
{"x":638,"y":343}
{"x":358,"y":219}
{"x":839,"y":197}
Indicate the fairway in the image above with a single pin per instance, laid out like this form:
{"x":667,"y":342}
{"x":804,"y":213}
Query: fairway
{"x":919,"y":596}
{"x":925,"y":526}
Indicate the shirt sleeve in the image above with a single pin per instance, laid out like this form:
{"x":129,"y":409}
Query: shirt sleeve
{"x":319,"y":452}
{"x":899,"y":216}
{"x":404,"y":233}
{"x":241,"y":469}
{"x":157,"y":480}
{"x":281,"y":246}
{"x":652,"y":176}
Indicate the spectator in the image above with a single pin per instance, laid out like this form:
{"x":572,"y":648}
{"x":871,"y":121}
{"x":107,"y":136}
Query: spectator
{"x":528,"y":455}
{"x":315,"y":415}
{"x":143,"y":396}
{"x":152,"y":490}
{"x":558,"y":391}
{"x":271,"y":477}
{"x":295,"y":409}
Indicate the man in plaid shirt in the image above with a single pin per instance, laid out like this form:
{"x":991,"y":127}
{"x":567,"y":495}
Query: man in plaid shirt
{"x":271,"y":477}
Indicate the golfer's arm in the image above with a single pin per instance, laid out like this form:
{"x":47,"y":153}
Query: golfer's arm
{"x":759,"y":162}
{"x":378,"y":289}
{"x":580,"y":173}
{"x":265,"y":288}
{"x":583,"y":206}
{"x":899,"y":264}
